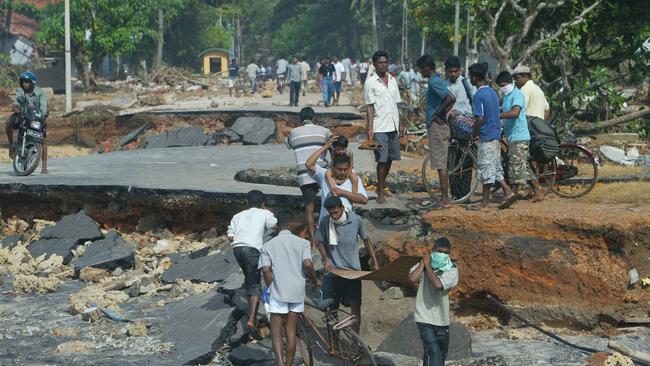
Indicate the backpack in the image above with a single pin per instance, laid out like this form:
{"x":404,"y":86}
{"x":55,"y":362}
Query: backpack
{"x":544,"y":141}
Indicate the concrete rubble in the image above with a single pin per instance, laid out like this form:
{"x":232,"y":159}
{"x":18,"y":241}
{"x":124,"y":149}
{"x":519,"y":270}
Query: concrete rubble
{"x":181,"y":137}
{"x":255,"y":130}
{"x":108,"y":253}
{"x":210,"y":268}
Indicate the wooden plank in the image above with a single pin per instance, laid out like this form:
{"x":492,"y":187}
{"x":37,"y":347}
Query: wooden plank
{"x":395,"y":271}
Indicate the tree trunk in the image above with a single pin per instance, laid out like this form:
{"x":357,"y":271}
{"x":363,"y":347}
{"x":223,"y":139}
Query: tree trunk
{"x":10,"y":10}
{"x":159,"y":46}
{"x":614,"y":121}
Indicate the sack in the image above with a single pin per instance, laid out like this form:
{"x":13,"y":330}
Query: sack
{"x":461,"y":125}
{"x":544,"y":141}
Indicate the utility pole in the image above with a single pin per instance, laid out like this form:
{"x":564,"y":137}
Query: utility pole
{"x":404,"y":27}
{"x":456,"y":26}
{"x":374,"y":27}
{"x":68,"y":59}
{"x":159,"y":45}
{"x":423,"y":42}
{"x":467,"y":43}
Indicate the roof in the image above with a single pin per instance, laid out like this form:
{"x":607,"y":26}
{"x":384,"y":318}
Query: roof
{"x":230,"y":54}
{"x":22,"y":26}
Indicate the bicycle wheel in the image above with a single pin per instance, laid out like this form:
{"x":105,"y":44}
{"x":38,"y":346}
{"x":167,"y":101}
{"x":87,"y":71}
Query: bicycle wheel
{"x":576,"y":171}
{"x":353,"y":350}
{"x":303,"y":344}
{"x":461,"y":167}
{"x":545,"y":174}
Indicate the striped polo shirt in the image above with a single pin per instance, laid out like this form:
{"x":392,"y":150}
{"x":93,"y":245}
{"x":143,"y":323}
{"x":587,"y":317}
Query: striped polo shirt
{"x":304,"y":141}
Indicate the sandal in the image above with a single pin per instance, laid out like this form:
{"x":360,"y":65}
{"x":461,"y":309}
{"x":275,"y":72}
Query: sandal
{"x":368,"y":145}
{"x":507,"y":202}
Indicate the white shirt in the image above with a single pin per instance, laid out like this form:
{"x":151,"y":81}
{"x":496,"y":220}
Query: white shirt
{"x":248,"y":227}
{"x":385,"y":99}
{"x":340,"y":69}
{"x":536,"y":102}
{"x":325,"y":189}
{"x":363,"y":67}
{"x":462,"y":103}
{"x":281,"y":66}
{"x":305,"y":69}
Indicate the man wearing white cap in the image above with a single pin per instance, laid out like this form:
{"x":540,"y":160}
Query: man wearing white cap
{"x":536,"y":104}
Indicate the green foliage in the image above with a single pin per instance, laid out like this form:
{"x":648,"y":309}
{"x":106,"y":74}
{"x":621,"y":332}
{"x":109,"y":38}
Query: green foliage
{"x":640,"y":126}
{"x":24,"y":9}
{"x":595,"y":96}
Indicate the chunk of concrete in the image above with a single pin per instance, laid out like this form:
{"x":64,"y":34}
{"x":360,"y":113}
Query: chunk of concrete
{"x":62,"y":247}
{"x":11,"y":240}
{"x":181,"y":137}
{"x":79,"y":227}
{"x":133,"y":135}
{"x":255,"y":130}
{"x":211,"y":268}
{"x":198,"y":325}
{"x":125,"y":101}
{"x":109,"y":253}
{"x":460,"y":344}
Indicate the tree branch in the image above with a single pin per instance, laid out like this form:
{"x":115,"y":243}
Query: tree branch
{"x":561,"y":29}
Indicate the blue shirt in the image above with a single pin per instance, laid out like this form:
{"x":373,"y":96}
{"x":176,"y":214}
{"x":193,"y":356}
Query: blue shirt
{"x":516,"y":129}
{"x":233,"y":70}
{"x":436,"y":92}
{"x":486,"y":104}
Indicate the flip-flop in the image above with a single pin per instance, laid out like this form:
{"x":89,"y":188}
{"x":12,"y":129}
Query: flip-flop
{"x":368,"y":145}
{"x":507,"y":202}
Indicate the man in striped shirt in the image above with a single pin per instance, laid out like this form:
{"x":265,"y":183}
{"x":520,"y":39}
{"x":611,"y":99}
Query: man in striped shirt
{"x":304,"y":141}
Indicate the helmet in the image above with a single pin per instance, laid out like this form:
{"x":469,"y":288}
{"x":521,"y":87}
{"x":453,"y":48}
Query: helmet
{"x":28,"y":75}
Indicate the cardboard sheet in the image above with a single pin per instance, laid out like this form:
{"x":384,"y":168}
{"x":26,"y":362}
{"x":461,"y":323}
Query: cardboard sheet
{"x":395,"y":271}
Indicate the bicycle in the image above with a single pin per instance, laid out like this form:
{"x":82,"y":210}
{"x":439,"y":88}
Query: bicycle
{"x":340,"y":341}
{"x":576,"y":166}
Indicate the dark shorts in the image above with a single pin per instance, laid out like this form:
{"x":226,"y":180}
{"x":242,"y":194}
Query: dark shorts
{"x":309,"y":193}
{"x":248,"y":259}
{"x":341,"y":290}
{"x":337,"y":86}
{"x":387,"y":147}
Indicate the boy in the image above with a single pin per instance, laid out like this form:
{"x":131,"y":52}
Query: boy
{"x":436,"y":276}
{"x":339,"y":146}
{"x":487,"y":129}
{"x":304,"y":141}
{"x":246,"y":233}
{"x":515,"y":127}
{"x":282,"y":262}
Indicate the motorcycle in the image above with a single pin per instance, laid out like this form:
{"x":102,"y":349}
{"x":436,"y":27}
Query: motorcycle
{"x":28,"y":148}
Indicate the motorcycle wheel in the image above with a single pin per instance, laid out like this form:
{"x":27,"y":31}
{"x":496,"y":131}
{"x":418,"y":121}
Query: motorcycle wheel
{"x":26,"y":164}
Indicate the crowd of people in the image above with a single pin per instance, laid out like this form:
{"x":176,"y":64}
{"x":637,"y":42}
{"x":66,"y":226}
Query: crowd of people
{"x":324,"y":165}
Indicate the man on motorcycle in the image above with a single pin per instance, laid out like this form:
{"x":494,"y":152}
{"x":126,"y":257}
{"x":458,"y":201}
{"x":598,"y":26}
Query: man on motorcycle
{"x":28,"y":95}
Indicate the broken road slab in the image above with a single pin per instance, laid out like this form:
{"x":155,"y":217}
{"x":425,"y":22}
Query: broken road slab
{"x":79,"y":227}
{"x":211,"y":268}
{"x":181,"y":137}
{"x":253,"y":353}
{"x":254,"y":130}
{"x":11,"y":240}
{"x":108,"y":253}
{"x":198,"y":326}
{"x":133,"y":135}
{"x":62,"y":247}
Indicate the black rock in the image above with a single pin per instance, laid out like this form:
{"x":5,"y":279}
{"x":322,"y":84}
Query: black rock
{"x":150,"y":223}
{"x":212,"y":268}
{"x":198,"y":326}
{"x":230,"y":134}
{"x":181,"y":137}
{"x":249,"y":354}
{"x":133,"y":135}
{"x":108,"y":253}
{"x":460,"y":344}
{"x":254,"y":130}
{"x":56,"y":246}
{"x":79,"y":227}
{"x":11,"y":240}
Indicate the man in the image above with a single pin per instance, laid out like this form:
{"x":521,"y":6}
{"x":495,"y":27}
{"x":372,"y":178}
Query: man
{"x":305,"y":141}
{"x":436,"y":276}
{"x":281,"y":73}
{"x":354,"y":72}
{"x":282,"y":262}
{"x":410,"y":80}
{"x":305,"y":75}
{"x":233,"y":73}
{"x":536,"y":103}
{"x":339,"y":72}
{"x":347,"y":67}
{"x":337,"y":236}
{"x":363,"y":71}
{"x":515,"y":127}
{"x":340,"y":167}
{"x":382,"y":118}
{"x":28,"y":96}
{"x":294,"y":76}
{"x":459,"y":86}
{"x":246,"y":233}
{"x":392,"y":69}
{"x":487,"y":129}
{"x":326,"y":72}
{"x":252,"y":69}
{"x":438,"y":102}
